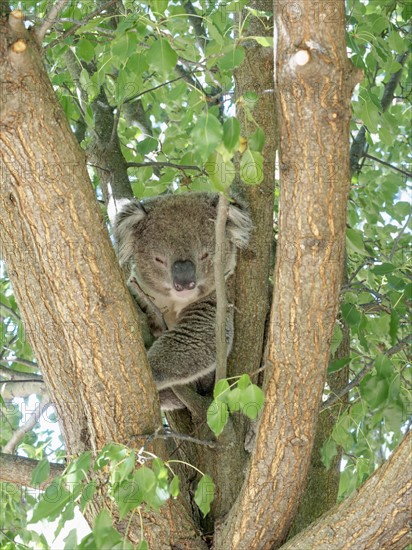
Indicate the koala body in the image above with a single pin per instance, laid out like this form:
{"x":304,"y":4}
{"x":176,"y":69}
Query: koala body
{"x":169,"y":245}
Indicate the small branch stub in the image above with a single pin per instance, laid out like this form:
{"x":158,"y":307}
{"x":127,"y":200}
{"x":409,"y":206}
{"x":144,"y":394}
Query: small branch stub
{"x":301,"y":58}
{"x":16,"y":19}
{"x":20,"y":46}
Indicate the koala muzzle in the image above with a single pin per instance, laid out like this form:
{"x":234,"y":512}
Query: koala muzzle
{"x":184,"y":275}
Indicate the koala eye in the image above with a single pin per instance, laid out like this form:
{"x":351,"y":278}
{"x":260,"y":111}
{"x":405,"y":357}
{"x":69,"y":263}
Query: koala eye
{"x":204,"y":256}
{"x":160,"y":260}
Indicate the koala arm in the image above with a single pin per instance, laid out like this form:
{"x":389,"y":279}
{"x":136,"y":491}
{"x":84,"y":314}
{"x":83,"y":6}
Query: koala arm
{"x":188,"y":351}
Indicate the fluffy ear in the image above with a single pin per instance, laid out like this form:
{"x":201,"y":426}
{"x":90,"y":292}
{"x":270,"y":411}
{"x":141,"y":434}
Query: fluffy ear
{"x":131,"y":213}
{"x":239,"y":224}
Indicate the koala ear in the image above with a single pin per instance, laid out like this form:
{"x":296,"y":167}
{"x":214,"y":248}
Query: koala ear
{"x":128,"y":217}
{"x":239,"y":224}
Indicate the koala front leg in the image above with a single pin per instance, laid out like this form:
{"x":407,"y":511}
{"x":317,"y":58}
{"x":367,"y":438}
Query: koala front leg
{"x":188,"y":351}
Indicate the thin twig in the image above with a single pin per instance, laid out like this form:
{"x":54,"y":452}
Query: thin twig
{"x":169,"y":434}
{"x":19,"y":434}
{"x":13,"y":313}
{"x":361,"y":375}
{"x":140,"y":94}
{"x":404,"y":172}
{"x":80,"y":24}
{"x":164,"y":165}
{"x":50,"y":19}
{"x":220,"y":284}
{"x":398,"y":236}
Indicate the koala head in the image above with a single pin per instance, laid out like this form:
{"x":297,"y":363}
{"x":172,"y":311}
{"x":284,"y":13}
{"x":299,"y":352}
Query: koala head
{"x":169,"y":243}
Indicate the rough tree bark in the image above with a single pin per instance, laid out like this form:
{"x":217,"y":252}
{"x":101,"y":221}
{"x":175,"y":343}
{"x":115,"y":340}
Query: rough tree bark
{"x":375,"y":517}
{"x":314,"y":190}
{"x":77,"y":311}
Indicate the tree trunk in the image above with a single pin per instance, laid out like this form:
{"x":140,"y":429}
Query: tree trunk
{"x":79,"y":316}
{"x":314,"y":129}
{"x":374,"y":517}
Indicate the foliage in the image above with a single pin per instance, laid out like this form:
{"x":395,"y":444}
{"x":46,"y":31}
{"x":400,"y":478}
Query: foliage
{"x":133,"y":486}
{"x":170,"y":86}
{"x":241,"y":396}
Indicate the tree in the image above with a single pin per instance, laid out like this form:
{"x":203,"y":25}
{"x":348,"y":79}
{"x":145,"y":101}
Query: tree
{"x":122,"y":76}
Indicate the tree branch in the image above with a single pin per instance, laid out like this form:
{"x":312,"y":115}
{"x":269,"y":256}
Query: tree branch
{"x":404,"y":172}
{"x":22,"y":388}
{"x":19,"y":470}
{"x":170,"y":434}
{"x":220,"y":283}
{"x":165,"y":165}
{"x":80,"y":24}
{"x":10,"y":374}
{"x":399,"y":235}
{"x":361,"y":375}
{"x":50,"y":19}
{"x":357,"y":150}
{"x":375,"y":516}
{"x":19,"y":434}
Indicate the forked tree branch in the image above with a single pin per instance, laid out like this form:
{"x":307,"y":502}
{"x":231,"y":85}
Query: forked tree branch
{"x":50,"y":19}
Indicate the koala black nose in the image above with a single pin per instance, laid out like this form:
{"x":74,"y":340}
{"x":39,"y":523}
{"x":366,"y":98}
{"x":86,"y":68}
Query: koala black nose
{"x":184,"y":275}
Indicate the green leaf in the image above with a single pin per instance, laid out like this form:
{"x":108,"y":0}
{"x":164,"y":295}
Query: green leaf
{"x":337,"y":338}
{"x":244,"y":381}
{"x":146,"y":479}
{"x":231,"y":133}
{"x":256,"y":140}
{"x":374,"y":390}
{"x":354,"y":239}
{"x":351,"y":315}
{"x":85,"y":50}
{"x":233,"y":400}
{"x":87,"y":494}
{"x":232,"y":59}
{"x":161,"y":56}
{"x":174,"y":486}
{"x":338,"y":364}
{"x":205,"y":493}
{"x":207,"y":134}
{"x":252,"y":399}
{"x":220,"y":390}
{"x":328,"y":452}
{"x":221,"y":172}
{"x":41,"y":472}
{"x":70,"y":541}
{"x":78,"y":469}
{"x":383,"y":269}
{"x":128,"y":497}
{"x":143,"y":545}
{"x":161,"y":473}
{"x":104,"y":534}
{"x":110,"y":452}
{"x":147,"y":145}
{"x":52,"y":503}
{"x":383,"y":366}
{"x":265,"y":41}
{"x":159,"y":6}
{"x":251,"y":167}
{"x":217,"y":417}
{"x":120,"y":46}
{"x":136,"y":64}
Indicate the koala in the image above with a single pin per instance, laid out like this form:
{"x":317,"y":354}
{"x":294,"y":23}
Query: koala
{"x":168,"y":245}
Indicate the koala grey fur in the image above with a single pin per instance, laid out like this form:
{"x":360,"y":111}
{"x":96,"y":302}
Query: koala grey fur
{"x":168,"y":243}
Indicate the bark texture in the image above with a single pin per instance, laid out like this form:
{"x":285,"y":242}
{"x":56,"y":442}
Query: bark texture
{"x":375,"y":517}
{"x":19,"y":470}
{"x":79,"y":316}
{"x":314,"y":163}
